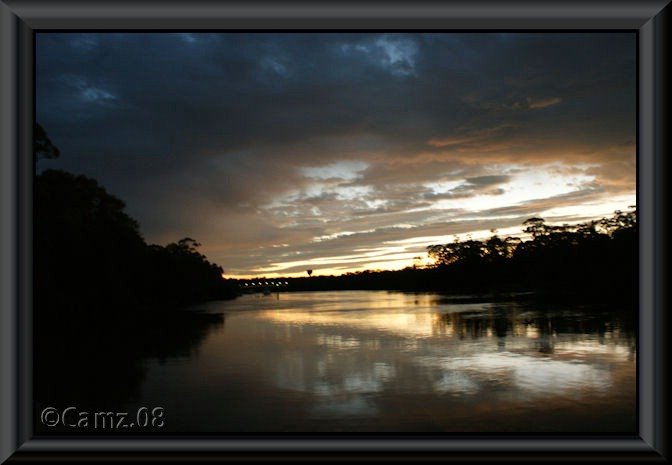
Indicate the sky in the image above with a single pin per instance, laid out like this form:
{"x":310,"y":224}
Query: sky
{"x":341,"y":152}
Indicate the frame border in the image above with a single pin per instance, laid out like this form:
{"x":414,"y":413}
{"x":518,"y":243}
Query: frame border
{"x":19,"y":19}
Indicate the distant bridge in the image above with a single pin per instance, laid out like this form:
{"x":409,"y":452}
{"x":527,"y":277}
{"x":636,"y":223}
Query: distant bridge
{"x":267,"y":286}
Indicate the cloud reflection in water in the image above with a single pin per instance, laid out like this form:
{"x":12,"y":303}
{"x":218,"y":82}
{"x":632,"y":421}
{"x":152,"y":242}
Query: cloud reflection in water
{"x":377,"y":361}
{"x":484,"y":350}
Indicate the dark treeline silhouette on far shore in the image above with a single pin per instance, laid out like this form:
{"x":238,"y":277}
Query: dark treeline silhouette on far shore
{"x":596,"y":260}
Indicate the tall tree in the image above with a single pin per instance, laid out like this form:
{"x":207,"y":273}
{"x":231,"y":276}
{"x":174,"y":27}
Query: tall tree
{"x":42,"y":145}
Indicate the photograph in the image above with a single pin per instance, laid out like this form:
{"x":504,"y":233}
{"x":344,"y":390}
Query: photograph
{"x":330,"y":231}
{"x":335,"y":232}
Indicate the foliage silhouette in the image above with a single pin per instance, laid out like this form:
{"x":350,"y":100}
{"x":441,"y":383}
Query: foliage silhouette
{"x":89,"y":253}
{"x":103,"y":299}
{"x":597,"y":260}
{"x":42,"y":145}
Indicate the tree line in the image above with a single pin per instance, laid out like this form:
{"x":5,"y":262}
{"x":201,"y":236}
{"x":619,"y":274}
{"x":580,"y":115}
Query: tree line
{"x":89,"y":254}
{"x":596,"y":259}
{"x":98,"y":287}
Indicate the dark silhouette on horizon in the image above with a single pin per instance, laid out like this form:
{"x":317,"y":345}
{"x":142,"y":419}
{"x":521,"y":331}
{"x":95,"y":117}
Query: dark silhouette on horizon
{"x":42,"y":145}
{"x":596,"y":261}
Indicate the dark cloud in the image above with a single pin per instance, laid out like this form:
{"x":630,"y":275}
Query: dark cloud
{"x":247,"y":141}
{"x":486,"y":181}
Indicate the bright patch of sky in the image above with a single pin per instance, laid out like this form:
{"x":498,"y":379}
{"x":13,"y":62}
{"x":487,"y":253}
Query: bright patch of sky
{"x":352,"y":192}
{"x":443,"y":187}
{"x":374,"y":253}
{"x":397,"y":55}
{"x":519,"y":185}
{"x":345,"y":170}
{"x":424,"y":241}
{"x":535,"y":183}
{"x":597,"y":209}
{"x":375,"y":203}
{"x":328,"y":237}
{"x":383,"y":258}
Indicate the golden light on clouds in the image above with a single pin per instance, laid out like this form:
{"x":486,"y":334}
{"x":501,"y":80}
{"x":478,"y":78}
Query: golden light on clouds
{"x":342,"y":152}
{"x":561,"y":192}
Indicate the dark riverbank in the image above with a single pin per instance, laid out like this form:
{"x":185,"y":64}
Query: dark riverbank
{"x":89,"y":255}
{"x":105,"y":300}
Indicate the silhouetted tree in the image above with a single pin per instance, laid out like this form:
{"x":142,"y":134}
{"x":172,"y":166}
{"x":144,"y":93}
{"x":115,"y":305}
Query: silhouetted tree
{"x":89,"y":253}
{"x":94,"y":282}
{"x":87,"y":249}
{"x":593,"y":257}
{"x":181,"y":274}
{"x":42,"y":145}
{"x":535,"y":226}
{"x":496,"y":249}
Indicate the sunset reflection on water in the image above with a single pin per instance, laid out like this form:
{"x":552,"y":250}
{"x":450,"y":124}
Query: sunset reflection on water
{"x":378,"y":361}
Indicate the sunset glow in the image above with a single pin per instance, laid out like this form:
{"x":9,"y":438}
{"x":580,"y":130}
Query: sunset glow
{"x":283,"y":152}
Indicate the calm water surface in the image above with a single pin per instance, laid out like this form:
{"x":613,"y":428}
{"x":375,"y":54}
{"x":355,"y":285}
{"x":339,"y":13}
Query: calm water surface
{"x":383,"y":362}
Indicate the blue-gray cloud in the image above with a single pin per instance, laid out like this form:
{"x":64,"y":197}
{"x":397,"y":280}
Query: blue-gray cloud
{"x":252,"y":140}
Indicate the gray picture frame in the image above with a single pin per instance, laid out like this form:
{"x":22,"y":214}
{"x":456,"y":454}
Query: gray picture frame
{"x":19,"y":19}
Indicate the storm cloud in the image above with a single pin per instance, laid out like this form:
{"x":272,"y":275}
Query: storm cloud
{"x":342,"y":151}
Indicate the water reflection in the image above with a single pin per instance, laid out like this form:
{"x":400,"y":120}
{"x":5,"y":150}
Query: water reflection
{"x":100,"y":363}
{"x":373,"y":361}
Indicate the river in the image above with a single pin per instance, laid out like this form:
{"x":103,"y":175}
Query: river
{"x":361,"y":361}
